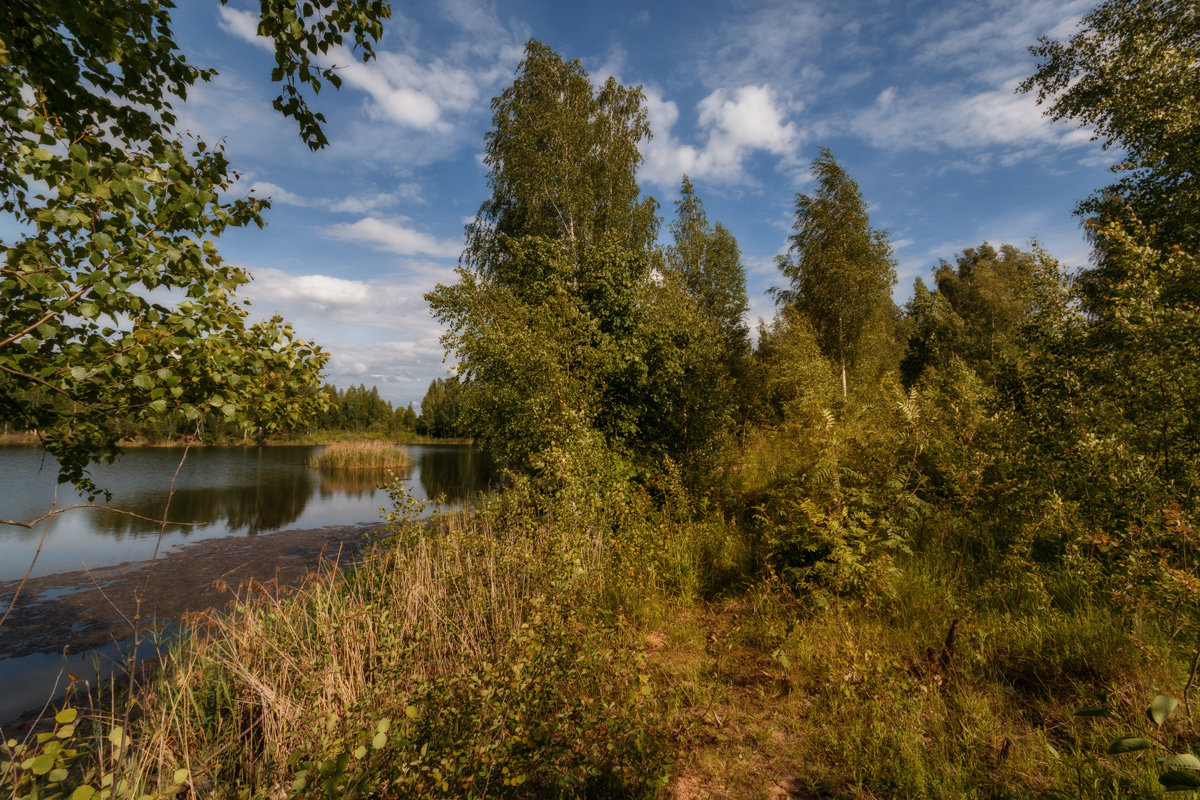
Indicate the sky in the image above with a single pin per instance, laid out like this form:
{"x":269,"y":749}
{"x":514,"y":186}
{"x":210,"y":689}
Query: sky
{"x":916,"y":100}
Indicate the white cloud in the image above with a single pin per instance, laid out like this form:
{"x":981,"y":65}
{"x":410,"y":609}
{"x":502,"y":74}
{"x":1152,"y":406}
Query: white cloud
{"x":401,"y":87}
{"x":395,"y":237}
{"x":361,"y":203}
{"x":780,"y":38}
{"x":376,"y":331}
{"x":735,"y":124}
{"x":929,"y":118}
{"x":276,"y":192}
{"x":243,"y":25}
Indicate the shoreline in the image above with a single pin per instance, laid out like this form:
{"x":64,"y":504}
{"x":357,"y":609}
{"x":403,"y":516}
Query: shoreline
{"x":87,"y":609}
{"x":318,"y":438}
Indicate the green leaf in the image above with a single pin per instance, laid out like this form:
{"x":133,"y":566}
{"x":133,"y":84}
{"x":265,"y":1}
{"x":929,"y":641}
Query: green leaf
{"x":379,"y":741}
{"x":57,"y":775}
{"x":1178,"y":780}
{"x":42,"y":764}
{"x":142,"y":381}
{"x":83,"y":793}
{"x":117,"y":737}
{"x":1181,"y":761}
{"x":1128,"y":744}
{"x":79,"y":373}
{"x":1161,"y":708}
{"x":66,"y":716}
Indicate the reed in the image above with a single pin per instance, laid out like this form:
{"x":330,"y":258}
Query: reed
{"x":360,"y":455}
{"x":426,"y":670}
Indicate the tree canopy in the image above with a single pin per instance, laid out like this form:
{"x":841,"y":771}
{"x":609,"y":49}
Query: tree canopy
{"x":840,"y":268}
{"x":562,"y":161}
{"x":1132,"y":72}
{"x":564,"y":339}
{"x":116,"y":302}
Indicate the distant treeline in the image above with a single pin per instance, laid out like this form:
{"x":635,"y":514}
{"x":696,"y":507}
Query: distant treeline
{"x":361,"y":410}
{"x":355,"y":409}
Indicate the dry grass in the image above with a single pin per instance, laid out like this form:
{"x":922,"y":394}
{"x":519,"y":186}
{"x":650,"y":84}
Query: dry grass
{"x":360,"y":455}
{"x":252,"y":697}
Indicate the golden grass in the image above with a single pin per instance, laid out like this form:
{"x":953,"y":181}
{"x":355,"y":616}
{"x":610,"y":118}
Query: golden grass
{"x":244,"y":696}
{"x":356,"y":455}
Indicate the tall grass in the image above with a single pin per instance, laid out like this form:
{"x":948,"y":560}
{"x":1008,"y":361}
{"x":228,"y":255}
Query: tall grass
{"x":465,"y":656}
{"x":356,"y":455}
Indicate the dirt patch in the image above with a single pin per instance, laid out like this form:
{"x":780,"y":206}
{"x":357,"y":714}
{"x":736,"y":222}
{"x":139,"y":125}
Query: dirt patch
{"x":87,"y":609}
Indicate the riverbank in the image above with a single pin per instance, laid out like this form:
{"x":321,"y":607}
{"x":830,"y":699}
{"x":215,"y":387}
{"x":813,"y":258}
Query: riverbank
{"x":25,"y":438}
{"x":58,"y":619}
{"x":542,"y":648}
{"x":90,"y":608}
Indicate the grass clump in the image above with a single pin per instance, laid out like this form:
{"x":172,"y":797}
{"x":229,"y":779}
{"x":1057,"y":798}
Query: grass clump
{"x":360,"y":455}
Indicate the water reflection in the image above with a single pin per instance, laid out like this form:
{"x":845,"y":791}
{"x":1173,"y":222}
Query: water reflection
{"x":220,"y":491}
{"x":277,"y":500}
{"x":457,"y":473}
{"x":360,"y":482}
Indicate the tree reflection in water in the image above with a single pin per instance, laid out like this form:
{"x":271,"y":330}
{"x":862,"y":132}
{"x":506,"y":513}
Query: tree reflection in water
{"x":246,"y":490}
{"x":457,"y":472}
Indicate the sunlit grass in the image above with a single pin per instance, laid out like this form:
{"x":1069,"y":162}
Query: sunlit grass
{"x":361,"y":455}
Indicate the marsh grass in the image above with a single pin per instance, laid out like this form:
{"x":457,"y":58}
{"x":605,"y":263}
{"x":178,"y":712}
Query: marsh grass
{"x":361,"y":455}
{"x":464,"y":656}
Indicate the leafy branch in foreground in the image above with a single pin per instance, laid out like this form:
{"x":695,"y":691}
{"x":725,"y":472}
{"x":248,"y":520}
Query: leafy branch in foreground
{"x":117,"y":307}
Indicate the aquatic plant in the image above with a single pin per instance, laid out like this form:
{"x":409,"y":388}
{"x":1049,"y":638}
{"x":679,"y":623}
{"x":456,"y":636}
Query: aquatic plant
{"x":372,"y":454}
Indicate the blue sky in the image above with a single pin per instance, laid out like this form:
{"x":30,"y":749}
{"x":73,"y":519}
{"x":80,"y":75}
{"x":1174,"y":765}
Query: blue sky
{"x":915,"y":99}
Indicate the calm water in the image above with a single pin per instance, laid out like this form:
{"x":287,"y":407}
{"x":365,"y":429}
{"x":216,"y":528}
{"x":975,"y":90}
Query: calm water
{"x":222,"y":491}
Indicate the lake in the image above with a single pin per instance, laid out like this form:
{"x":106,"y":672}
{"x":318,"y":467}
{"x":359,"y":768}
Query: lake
{"x":220,"y":491}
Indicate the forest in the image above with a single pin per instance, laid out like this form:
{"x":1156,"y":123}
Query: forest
{"x":944,"y":549}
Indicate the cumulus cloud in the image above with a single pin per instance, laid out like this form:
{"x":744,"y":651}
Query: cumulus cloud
{"x":377,"y":331}
{"x":401,"y":87}
{"x":243,"y":25}
{"x":734,"y":124}
{"x":395,"y":237}
{"x":278,"y":193}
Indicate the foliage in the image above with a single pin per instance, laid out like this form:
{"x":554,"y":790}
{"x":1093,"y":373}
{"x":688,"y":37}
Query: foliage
{"x":841,"y":272}
{"x":565,"y":342}
{"x":118,"y":306}
{"x":359,"y":409}
{"x":839,"y":510}
{"x":708,"y":262}
{"x":562,"y":159}
{"x":1131,"y":71}
{"x":792,"y":379}
{"x":440,"y":412}
{"x":978,"y":311}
